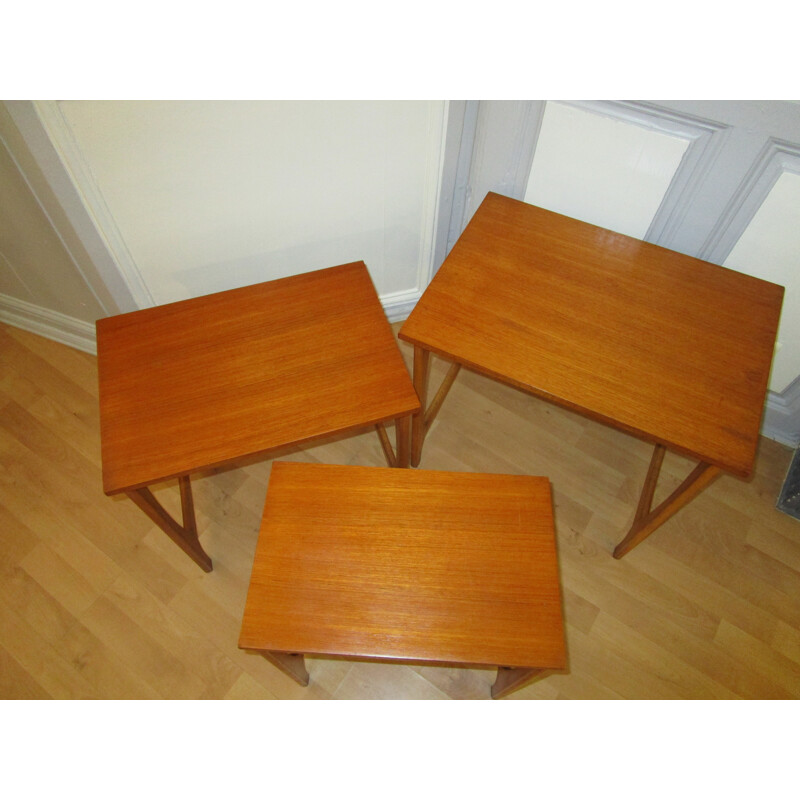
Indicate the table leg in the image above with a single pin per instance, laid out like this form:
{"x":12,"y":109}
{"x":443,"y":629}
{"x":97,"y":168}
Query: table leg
{"x":185,"y":536}
{"x":422,"y":359}
{"x":423,"y":419}
{"x":509,"y":679}
{"x":401,"y":459}
{"x":403,"y":430}
{"x":291,"y":664}
{"x":436,"y":404}
{"x":391,"y":459}
{"x":646,"y":520}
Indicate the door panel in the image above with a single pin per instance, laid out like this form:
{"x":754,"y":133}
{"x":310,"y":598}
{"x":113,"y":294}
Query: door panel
{"x":606,"y":171}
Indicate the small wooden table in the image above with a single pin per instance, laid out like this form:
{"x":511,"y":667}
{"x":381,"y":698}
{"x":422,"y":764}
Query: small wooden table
{"x":205,"y":382}
{"x":671,"y":349}
{"x":402,"y":565}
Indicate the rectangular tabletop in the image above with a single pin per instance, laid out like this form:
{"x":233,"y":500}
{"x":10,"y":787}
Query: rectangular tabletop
{"x":659,"y":344}
{"x":205,"y":381}
{"x":410,"y":565}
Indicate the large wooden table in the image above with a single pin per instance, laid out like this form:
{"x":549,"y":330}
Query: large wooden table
{"x":437,"y":568}
{"x":204,"y":382}
{"x":672,"y":349}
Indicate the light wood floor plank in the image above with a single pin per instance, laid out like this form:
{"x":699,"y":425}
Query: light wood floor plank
{"x":247,"y":688}
{"x":681,"y":679}
{"x":580,"y":686}
{"x":760,"y":657}
{"x":16,"y":538}
{"x":786,"y":641}
{"x":460,"y":684}
{"x":385,"y":682}
{"x":78,"y":367}
{"x":16,"y":683}
{"x":682,"y":543}
{"x":145,"y":656}
{"x":107,"y":672}
{"x":165,"y":627}
{"x":23,"y":364}
{"x":64,"y":583}
{"x":40,"y":611}
{"x":721,"y":601}
{"x":40,"y":659}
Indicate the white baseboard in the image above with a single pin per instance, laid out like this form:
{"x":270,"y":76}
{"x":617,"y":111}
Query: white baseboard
{"x":50,"y":324}
{"x":398,"y":310}
{"x":782,"y":416}
{"x":81,"y":335}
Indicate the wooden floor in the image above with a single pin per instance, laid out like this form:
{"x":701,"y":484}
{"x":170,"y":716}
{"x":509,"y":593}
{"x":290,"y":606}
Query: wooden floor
{"x":96,"y":602}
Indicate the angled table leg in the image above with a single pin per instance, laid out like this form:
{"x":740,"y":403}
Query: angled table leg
{"x":422,"y":359}
{"x":509,"y":679}
{"x":403,"y":426}
{"x":391,"y":459}
{"x":401,"y":458}
{"x":185,"y":536}
{"x":292,"y":664}
{"x":422,"y":420}
{"x":646,"y":520}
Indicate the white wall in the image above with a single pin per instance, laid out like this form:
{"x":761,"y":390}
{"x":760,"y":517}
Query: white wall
{"x":196,"y":197}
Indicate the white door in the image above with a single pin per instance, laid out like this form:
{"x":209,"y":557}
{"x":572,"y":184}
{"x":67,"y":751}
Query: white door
{"x":719,"y":180}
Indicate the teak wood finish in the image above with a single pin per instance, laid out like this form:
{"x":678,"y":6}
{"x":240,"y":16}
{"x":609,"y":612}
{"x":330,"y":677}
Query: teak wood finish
{"x":97,"y":603}
{"x":669,"y":348}
{"x":412,"y":566}
{"x":205,"y":382}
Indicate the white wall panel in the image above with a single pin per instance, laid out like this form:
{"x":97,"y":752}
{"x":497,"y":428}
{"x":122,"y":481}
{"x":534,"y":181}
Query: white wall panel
{"x":609,"y":172}
{"x":203,"y":196}
{"x":769,"y":248}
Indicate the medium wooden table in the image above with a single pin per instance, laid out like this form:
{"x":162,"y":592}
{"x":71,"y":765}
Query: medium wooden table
{"x":204,"y":382}
{"x":425,"y":567}
{"x":671,"y":349}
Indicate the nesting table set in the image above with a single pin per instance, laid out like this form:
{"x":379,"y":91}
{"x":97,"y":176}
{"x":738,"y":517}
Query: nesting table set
{"x":413,"y":565}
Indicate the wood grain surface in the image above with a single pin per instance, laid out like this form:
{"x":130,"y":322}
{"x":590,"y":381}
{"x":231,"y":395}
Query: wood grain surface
{"x":203,"y":382}
{"x":96,"y":602}
{"x":656,"y":343}
{"x":427,"y":566}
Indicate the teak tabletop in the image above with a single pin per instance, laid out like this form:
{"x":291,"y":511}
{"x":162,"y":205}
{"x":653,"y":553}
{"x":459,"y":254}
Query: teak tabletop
{"x":666,"y":347}
{"x":204,"y":382}
{"x":420,"y":566}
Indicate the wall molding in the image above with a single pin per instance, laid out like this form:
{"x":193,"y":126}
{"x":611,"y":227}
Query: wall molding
{"x":462,"y":116}
{"x":82,"y":335}
{"x":92,"y":199}
{"x":71,"y":220}
{"x":53,"y":226}
{"x":435,"y":180}
{"x":782,"y":416}
{"x":399,"y":305}
{"x":503,"y":145}
{"x":705,"y":139}
{"x":776,"y":157}
{"x":49,"y":324}
{"x":649,"y":116}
